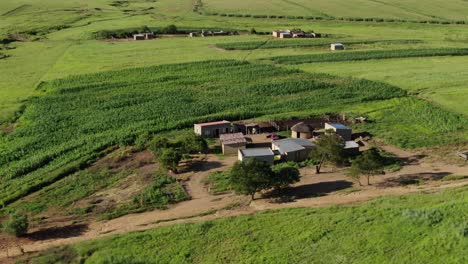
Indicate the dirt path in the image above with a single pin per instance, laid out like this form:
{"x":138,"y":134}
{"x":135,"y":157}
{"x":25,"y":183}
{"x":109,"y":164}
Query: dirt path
{"x":328,"y":188}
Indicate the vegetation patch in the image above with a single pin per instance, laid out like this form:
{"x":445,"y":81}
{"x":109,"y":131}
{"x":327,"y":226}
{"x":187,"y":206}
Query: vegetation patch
{"x":369,"y":55}
{"x":164,"y":190}
{"x":363,"y":233}
{"x":219,"y":182}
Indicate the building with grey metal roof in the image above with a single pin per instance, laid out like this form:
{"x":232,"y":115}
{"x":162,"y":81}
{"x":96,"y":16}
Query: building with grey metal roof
{"x":263,"y":154}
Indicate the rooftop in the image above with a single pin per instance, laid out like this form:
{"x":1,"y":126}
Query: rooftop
{"x":255,"y":152}
{"x":292,"y":144}
{"x":234,"y":138}
{"x":302,"y":128}
{"x":351,"y":144}
{"x":338,"y":126}
{"x":224,"y":122}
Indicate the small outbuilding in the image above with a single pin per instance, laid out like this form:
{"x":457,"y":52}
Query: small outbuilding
{"x":139,"y":37}
{"x":302,"y":130}
{"x":149,"y":35}
{"x":263,"y":154}
{"x":340,"y":129}
{"x":213,"y":129}
{"x":293,"y":149}
{"x":231,"y":143}
{"x":351,"y":148}
{"x":337,"y":46}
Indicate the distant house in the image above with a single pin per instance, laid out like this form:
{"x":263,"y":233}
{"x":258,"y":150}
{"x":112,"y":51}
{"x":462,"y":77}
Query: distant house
{"x":231,"y":143}
{"x":212,"y":129}
{"x":139,"y":37}
{"x":302,"y":130}
{"x":193,"y":34}
{"x":262,"y":154}
{"x":351,"y":148}
{"x":298,"y":34}
{"x":340,"y":129}
{"x":337,"y":46}
{"x":293,"y":149}
{"x":285,"y":35}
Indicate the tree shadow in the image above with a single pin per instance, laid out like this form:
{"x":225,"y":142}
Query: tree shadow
{"x":203,"y":165}
{"x":309,"y":190}
{"x":409,"y":179}
{"x":59,"y":232}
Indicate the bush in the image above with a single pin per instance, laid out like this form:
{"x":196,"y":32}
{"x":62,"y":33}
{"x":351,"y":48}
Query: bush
{"x":16,"y":225}
{"x":171,"y":29}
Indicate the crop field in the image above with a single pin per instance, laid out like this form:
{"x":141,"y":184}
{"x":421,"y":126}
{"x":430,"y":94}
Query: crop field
{"x":301,"y":43}
{"x":78,"y":117}
{"x":368,"y":55}
{"x":388,"y":9}
{"x":351,"y":234}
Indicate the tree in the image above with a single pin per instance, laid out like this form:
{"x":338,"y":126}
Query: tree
{"x":329,"y":148}
{"x":158,"y":143}
{"x":171,"y":29}
{"x":253,"y":31}
{"x":170,"y":158}
{"x":17,"y":224}
{"x":192,"y":143}
{"x":285,"y":174}
{"x":251,"y":177}
{"x":370,"y":163}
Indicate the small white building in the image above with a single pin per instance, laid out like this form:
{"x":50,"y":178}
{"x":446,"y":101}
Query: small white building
{"x":139,"y":37}
{"x":337,"y":46}
{"x":263,"y":154}
{"x":212,"y":129}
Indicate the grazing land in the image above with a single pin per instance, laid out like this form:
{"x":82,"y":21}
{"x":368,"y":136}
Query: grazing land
{"x":355,"y":234}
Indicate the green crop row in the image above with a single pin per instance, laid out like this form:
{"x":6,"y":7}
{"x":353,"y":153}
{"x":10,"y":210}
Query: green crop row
{"x":369,"y":55}
{"x":302,"y":43}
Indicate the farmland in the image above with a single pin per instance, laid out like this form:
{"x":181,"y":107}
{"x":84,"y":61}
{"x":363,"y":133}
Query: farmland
{"x":352,"y":234}
{"x":75,"y":103}
{"x":369,"y":55}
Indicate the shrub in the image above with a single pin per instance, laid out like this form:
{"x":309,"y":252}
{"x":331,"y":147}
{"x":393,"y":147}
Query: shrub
{"x":17,"y":224}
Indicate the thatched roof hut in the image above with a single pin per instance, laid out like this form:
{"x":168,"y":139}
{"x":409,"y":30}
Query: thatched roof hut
{"x":302,"y":130}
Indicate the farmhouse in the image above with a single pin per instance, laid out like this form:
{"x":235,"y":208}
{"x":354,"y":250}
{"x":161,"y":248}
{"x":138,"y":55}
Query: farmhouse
{"x":231,"y":143}
{"x":150,"y":35}
{"x":139,"y":37}
{"x":264,"y":154}
{"x":337,"y":46}
{"x":293,"y":149}
{"x":340,"y":129}
{"x":212,"y":129}
{"x":302,"y":130}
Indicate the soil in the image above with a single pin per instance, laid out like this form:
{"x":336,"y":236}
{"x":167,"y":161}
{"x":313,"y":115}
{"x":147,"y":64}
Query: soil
{"x":331,"y":187}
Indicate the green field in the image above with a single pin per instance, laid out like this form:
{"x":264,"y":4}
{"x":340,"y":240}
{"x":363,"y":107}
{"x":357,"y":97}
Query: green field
{"x":423,"y":228}
{"x":396,"y":9}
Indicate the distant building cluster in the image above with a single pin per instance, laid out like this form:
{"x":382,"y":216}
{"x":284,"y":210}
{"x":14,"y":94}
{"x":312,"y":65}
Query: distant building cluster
{"x":295,"y":33}
{"x":144,"y":36}
{"x":212,"y":33}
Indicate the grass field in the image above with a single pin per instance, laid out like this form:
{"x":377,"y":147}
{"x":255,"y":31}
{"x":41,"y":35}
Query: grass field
{"x":422,"y":228}
{"x":397,"y":9}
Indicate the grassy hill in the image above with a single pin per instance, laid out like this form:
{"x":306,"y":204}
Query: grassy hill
{"x":388,"y":9}
{"x":422,"y":228}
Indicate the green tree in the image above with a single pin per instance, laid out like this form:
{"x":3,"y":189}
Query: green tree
{"x":170,"y":158}
{"x":192,"y":143}
{"x":157,"y":144}
{"x":171,"y":29}
{"x":251,"y":177}
{"x":329,"y":148}
{"x":17,"y":224}
{"x":285,"y":174}
{"x":370,"y":163}
{"x":253,"y":31}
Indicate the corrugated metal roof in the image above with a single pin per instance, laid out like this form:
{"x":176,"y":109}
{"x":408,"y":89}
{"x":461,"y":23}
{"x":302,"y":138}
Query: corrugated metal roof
{"x":292,"y":144}
{"x":338,"y":126}
{"x":351,"y":144}
{"x":255,"y":152}
{"x":235,"y":138}
{"x":214,"y":123}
